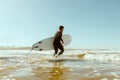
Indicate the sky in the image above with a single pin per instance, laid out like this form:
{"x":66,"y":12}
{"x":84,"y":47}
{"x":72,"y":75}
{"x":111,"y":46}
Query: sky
{"x":91,"y":23}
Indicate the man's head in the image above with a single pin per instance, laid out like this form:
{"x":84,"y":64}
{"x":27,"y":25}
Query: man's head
{"x":61,"y":28}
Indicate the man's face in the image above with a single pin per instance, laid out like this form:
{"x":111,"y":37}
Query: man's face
{"x":62,"y":29}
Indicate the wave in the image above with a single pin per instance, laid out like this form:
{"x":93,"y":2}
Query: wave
{"x":105,"y":55}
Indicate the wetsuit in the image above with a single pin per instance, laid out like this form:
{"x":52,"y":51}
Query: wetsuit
{"x":57,"y":43}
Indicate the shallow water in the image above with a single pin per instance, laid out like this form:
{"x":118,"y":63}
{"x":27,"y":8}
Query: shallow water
{"x":72,"y":65}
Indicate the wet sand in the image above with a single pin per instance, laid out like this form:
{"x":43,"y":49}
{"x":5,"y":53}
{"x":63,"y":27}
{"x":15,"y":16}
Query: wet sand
{"x":40,"y":68}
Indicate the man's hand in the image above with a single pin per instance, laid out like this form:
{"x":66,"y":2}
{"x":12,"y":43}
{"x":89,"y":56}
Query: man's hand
{"x":62,"y":42}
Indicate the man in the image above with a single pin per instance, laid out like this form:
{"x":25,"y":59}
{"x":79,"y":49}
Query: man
{"x":57,"y":42}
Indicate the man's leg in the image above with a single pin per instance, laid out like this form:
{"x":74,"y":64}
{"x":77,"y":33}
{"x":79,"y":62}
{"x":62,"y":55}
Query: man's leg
{"x":56,"y":50}
{"x":62,"y":49}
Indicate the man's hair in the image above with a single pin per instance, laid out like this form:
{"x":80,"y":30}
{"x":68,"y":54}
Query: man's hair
{"x":61,"y":27}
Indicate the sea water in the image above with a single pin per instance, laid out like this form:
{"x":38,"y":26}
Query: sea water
{"x":23,"y":64}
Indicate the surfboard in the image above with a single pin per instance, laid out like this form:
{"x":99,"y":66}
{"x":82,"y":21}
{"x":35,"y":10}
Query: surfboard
{"x":47,"y":44}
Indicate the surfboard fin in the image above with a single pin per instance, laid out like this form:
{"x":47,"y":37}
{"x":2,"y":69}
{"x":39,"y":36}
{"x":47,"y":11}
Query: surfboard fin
{"x":36,"y":47}
{"x":40,"y":42}
{"x":40,"y":49}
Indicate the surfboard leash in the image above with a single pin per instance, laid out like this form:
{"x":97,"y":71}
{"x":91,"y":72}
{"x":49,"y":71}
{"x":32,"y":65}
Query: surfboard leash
{"x":29,"y":52}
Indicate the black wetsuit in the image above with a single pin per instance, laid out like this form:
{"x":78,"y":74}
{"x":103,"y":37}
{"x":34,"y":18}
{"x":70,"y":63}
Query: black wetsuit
{"x":57,"y":43}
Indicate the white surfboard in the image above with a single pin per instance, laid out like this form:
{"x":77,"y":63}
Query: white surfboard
{"x":47,"y":44}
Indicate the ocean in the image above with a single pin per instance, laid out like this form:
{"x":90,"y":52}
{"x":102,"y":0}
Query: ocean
{"x":74,"y":64}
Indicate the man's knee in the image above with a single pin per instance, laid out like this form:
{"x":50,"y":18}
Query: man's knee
{"x":62,"y":50}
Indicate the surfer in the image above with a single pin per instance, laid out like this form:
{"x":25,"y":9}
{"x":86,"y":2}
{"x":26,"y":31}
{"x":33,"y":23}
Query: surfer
{"x":57,"y":42}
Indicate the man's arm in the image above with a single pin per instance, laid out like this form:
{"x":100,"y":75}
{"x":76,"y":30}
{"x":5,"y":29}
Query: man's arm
{"x":62,"y":40}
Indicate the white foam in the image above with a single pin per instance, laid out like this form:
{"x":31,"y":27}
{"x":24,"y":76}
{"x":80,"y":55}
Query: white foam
{"x":106,"y":55}
{"x":116,"y":79}
{"x":104,"y":79}
{"x":115,"y":74}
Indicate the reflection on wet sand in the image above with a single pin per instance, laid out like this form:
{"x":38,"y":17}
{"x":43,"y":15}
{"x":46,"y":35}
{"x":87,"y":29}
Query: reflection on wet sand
{"x":56,"y":72}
